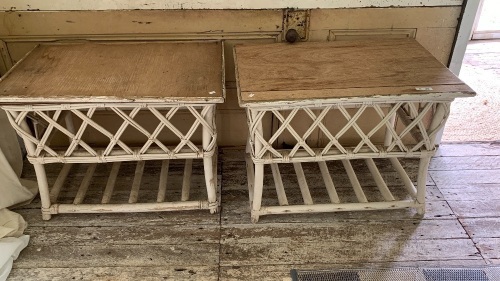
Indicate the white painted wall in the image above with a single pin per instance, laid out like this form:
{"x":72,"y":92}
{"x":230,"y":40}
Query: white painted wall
{"x":68,"y":5}
{"x":463,"y":36}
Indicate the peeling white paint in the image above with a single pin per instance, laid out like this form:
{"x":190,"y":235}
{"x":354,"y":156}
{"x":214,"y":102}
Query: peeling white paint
{"x":58,"y":5}
{"x":211,"y":93}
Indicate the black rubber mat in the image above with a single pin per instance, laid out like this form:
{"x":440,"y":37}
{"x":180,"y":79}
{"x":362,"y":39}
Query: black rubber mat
{"x":399,"y":274}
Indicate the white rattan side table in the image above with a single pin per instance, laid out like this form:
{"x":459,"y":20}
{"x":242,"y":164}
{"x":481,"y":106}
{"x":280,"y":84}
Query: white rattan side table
{"x":318,"y":102}
{"x":115,"y":102}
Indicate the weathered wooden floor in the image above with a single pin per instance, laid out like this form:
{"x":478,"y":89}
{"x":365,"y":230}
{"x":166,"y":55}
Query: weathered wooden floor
{"x":461,"y":227}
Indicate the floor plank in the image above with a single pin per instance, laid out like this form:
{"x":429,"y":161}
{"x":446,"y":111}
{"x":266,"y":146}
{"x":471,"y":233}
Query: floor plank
{"x":465,"y":163}
{"x":124,"y":235}
{"x":476,"y":208}
{"x":482,"y":227}
{"x":342,"y":231}
{"x":117,"y":273}
{"x":463,"y":177}
{"x":468,"y":149}
{"x":347,"y":251}
{"x":113,"y":255}
{"x":468,"y":192}
{"x":489,"y":247}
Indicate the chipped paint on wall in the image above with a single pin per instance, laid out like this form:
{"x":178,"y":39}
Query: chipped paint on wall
{"x":64,"y":5}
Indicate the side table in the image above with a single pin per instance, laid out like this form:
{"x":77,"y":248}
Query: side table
{"x":56,"y":96}
{"x":344,"y":100}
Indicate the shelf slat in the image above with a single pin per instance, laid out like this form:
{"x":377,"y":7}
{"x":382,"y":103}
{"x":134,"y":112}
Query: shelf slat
{"x":110,"y":185}
{"x":84,"y":186}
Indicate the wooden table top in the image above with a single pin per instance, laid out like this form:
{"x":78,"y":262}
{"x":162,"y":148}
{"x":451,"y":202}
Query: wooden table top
{"x":97,"y":72}
{"x":288,"y":73}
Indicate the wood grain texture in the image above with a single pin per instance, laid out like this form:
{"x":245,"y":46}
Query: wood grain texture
{"x":489,"y":247}
{"x":346,"y":251}
{"x":99,"y":273}
{"x":308,"y":94}
{"x":465,"y":163}
{"x":342,"y":231}
{"x":468,"y":177}
{"x":464,"y":177}
{"x":163,"y":71}
{"x":337,"y":69}
{"x":118,"y":255}
{"x":476,"y":208}
{"x":482,"y":227}
{"x":436,"y":27}
{"x":140,"y":22}
{"x":468,"y":149}
{"x":470,"y":192}
{"x":384,"y":18}
{"x":126,"y":235}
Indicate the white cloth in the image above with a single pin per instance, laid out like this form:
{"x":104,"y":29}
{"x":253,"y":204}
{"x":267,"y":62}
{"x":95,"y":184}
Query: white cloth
{"x":10,"y":249}
{"x":13,"y":191}
{"x":9,"y":144}
{"x":11,"y":224}
{"x":12,"y":240}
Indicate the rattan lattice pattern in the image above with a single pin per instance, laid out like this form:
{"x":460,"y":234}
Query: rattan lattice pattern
{"x":411,"y":116}
{"x":51,"y":119}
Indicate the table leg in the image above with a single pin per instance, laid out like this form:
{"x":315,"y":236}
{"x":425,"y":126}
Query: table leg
{"x":250,"y":172}
{"x":257,"y":192}
{"x":421,"y":183}
{"x":258,"y":179}
{"x":43,"y":187}
{"x":41,"y":176}
{"x":210,"y":179}
{"x":438,"y":119}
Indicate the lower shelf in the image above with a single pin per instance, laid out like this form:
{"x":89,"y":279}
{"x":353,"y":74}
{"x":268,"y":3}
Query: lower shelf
{"x":144,"y":186}
{"x":342,"y":185}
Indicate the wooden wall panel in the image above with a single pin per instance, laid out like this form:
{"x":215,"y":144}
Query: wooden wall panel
{"x":438,"y":41}
{"x":384,"y":18}
{"x":59,"y":5}
{"x":435,"y":26}
{"x":139,"y":22}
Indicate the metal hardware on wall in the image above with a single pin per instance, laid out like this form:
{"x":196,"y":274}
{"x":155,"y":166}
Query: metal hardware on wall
{"x":296,"y":25}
